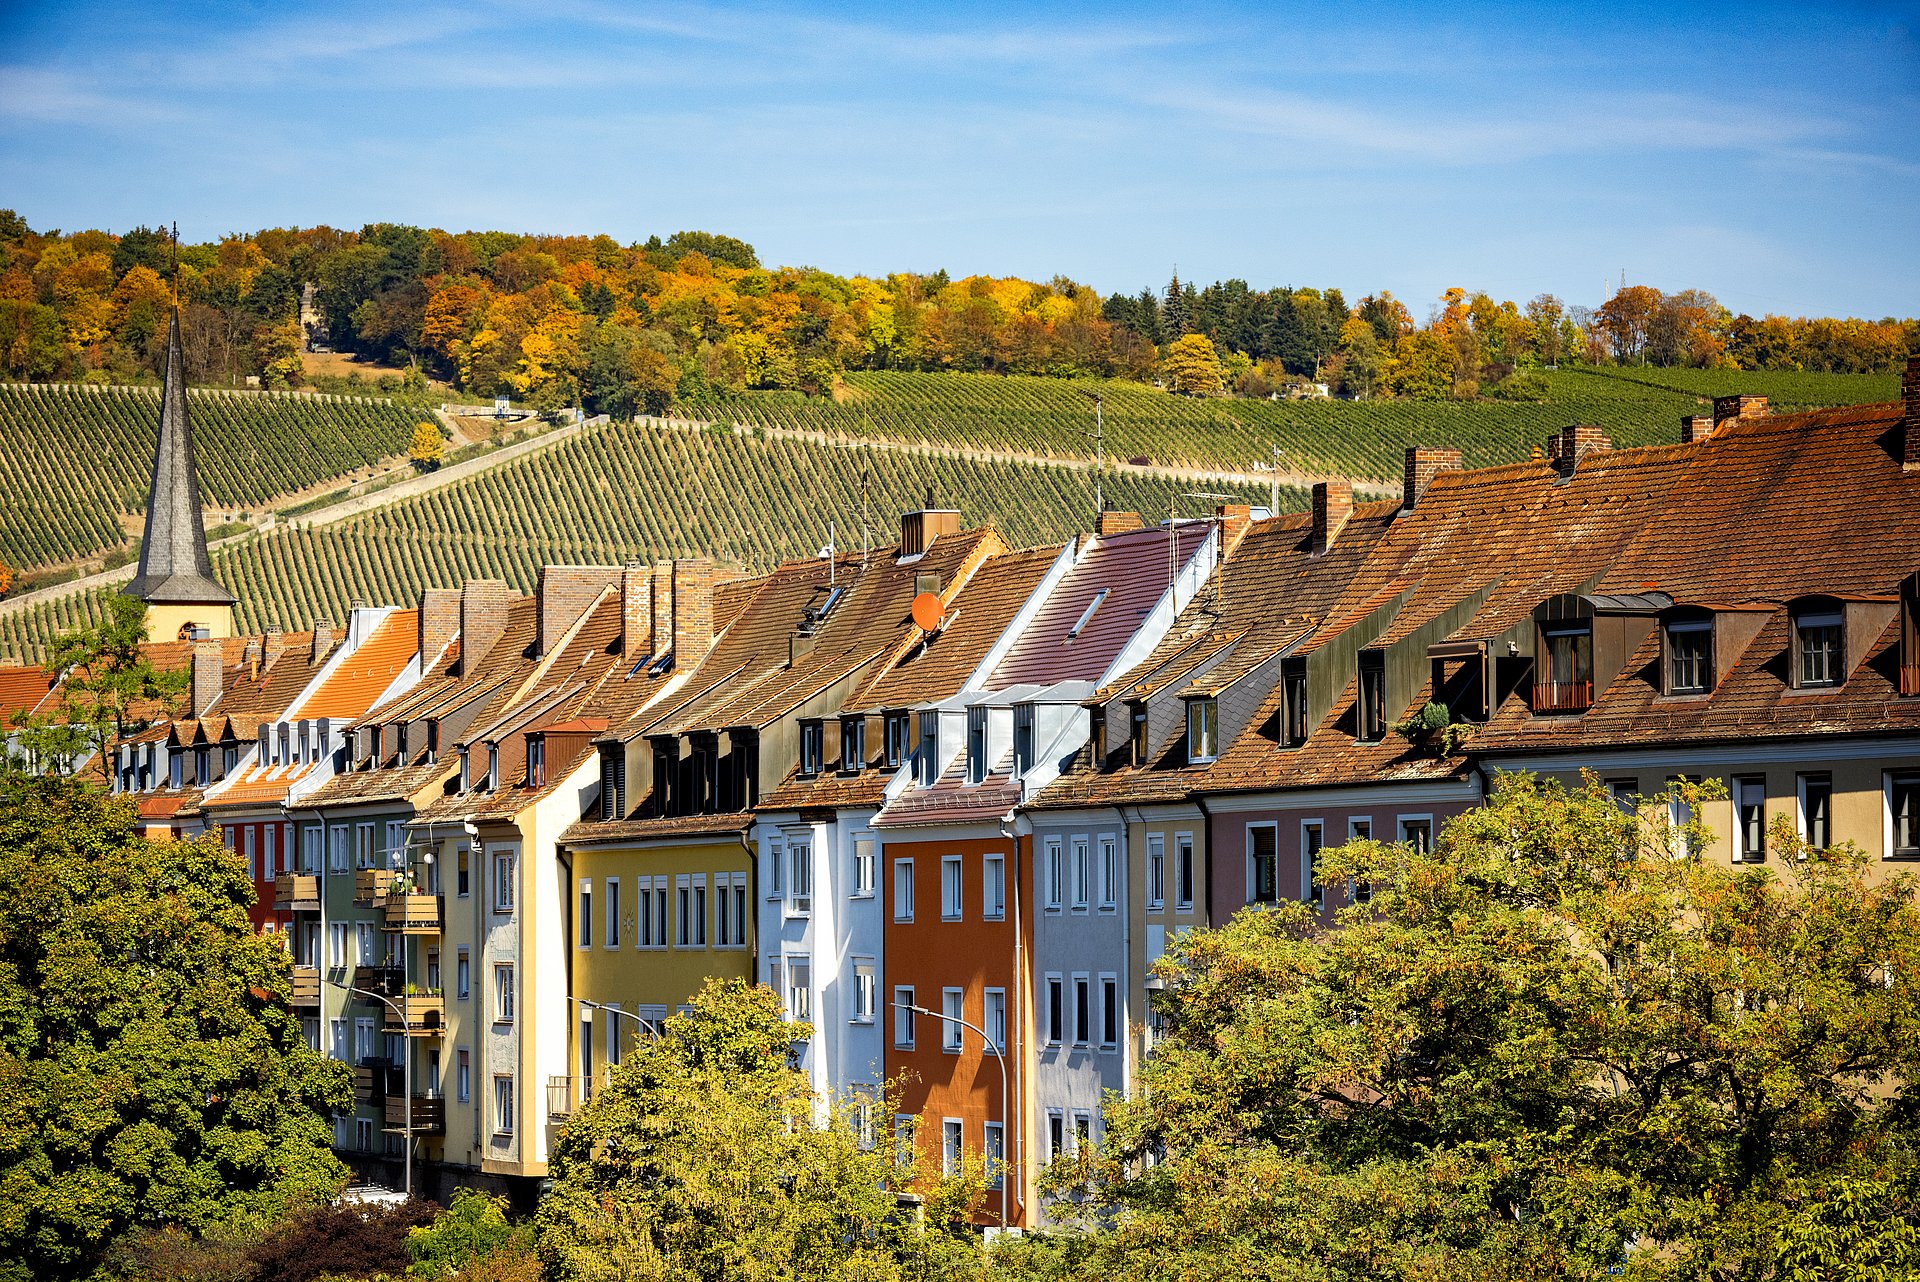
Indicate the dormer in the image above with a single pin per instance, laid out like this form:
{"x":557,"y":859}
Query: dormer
{"x":1563,"y":672}
{"x":1817,"y":645}
{"x":1687,"y":652}
{"x":1909,"y":685}
{"x":1295,"y":718}
{"x":1203,"y":728}
{"x":813,"y":746}
{"x":853,"y":743}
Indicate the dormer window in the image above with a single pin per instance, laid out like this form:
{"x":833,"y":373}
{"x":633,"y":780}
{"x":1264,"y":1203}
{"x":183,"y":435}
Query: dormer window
{"x":466,"y":760}
{"x":492,"y":780}
{"x":897,"y":739}
{"x":1372,"y":706}
{"x":1910,"y":637}
{"x":812,"y":747}
{"x":536,"y":761}
{"x":1818,"y":653}
{"x":976,"y":745}
{"x":1565,"y":680}
{"x":1293,"y":711}
{"x":1203,"y":729}
{"x":1097,"y":735}
{"x":433,"y":742}
{"x":853,"y":744}
{"x":176,"y":768}
{"x":1022,"y":739}
{"x":1137,"y":734}
{"x":928,"y":760}
{"x":1689,"y":656}
{"x":613,"y":784}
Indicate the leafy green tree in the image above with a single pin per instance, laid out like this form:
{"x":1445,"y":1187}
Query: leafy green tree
{"x":474,"y":1227}
{"x":1191,"y":364}
{"x":151,"y":1072}
{"x":1554,"y":1045}
{"x":111,"y":688}
{"x":706,"y":1156}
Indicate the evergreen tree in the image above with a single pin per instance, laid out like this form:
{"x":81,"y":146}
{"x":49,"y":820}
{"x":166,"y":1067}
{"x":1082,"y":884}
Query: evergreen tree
{"x":1176,"y":309}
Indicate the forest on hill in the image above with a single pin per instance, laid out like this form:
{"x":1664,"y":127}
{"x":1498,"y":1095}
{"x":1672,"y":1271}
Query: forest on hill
{"x":585,"y":320}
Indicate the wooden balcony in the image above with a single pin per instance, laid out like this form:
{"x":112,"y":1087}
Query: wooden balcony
{"x":306,"y":988}
{"x":426,"y":1015}
{"x":370,"y":1080}
{"x":413,"y":913}
{"x":370,"y":886}
{"x":429,"y":1115}
{"x":297,"y":892}
{"x":384,"y":980}
{"x":1562,"y":696}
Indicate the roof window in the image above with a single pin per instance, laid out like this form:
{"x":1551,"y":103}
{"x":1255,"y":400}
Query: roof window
{"x":1086,"y":615}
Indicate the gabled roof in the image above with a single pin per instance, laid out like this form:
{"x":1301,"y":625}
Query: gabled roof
{"x":369,"y":671}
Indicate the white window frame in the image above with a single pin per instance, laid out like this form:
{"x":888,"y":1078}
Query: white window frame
{"x":866,"y":857}
{"x":866,"y":981}
{"x":1111,"y":1011}
{"x":503,"y":1103}
{"x":1310,"y":893}
{"x":1887,"y":848}
{"x":504,"y":864}
{"x":903,"y":889}
{"x":1056,"y":1031}
{"x":1186,"y":875}
{"x":1400,"y":823}
{"x":611,"y":939}
{"x":1736,"y":784}
{"x":1156,"y":872}
{"x":993,"y":1151}
{"x":904,"y":1028}
{"x":586,"y":913}
{"x":1082,"y":1035}
{"x":800,"y":878}
{"x":953,"y":1145}
{"x":993,"y":888}
{"x":1800,"y":781}
{"x":775,"y":879}
{"x":1253,"y":872}
{"x":953,"y":1035}
{"x":503,"y":992}
{"x":1056,"y":864}
{"x":462,"y":973}
{"x":1111,"y":873}
{"x":953,"y":888}
{"x":1080,"y":873}
{"x":993,"y":1017}
{"x":462,"y":1074}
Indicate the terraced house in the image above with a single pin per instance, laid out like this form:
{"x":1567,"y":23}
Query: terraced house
{"x":949,"y":799}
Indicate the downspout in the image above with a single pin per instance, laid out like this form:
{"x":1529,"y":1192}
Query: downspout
{"x":1016,"y":1017}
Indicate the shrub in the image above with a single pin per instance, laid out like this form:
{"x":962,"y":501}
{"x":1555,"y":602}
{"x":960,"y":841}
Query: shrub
{"x":351,"y":1241}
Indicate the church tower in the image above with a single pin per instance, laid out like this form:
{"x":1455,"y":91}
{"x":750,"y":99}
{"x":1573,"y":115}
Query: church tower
{"x":176,"y":574}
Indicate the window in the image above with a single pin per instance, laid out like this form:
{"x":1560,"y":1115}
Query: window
{"x":1056,"y":875}
{"x":1263,"y":860}
{"x":994,"y":1150}
{"x":903,"y":1017}
{"x":1082,"y":873}
{"x":1417,"y":831}
{"x":1082,"y":1009}
{"x":1137,"y":736}
{"x":1056,"y":1134}
{"x":653,"y":931}
{"x":863,"y":990}
{"x":928,"y":757}
{"x":995,"y":1017}
{"x":337,"y":850}
{"x":1750,"y":819}
{"x":613,"y":912}
{"x":1109,"y":1011}
{"x":1816,"y":810}
{"x":1689,"y":656}
{"x":613,"y":784}
{"x":463,"y":1075}
{"x":462,"y":975}
{"x":776,"y":877}
{"x":1183,"y":869}
{"x":492,"y":780}
{"x":1203,"y":729}
{"x":1313,"y":839}
{"x":691,"y":910}
{"x":586,"y":912}
{"x":1109,"y":874}
{"x":951,"y":1144}
{"x":337,"y":944}
{"x":976,"y":745}
{"x":1680,"y":817}
{"x":1022,"y":738}
{"x":462,"y":876}
{"x":951,"y":889}
{"x":503,"y":1105}
{"x":993,"y":888}
{"x":1082,"y":1131}
{"x":367,"y":952}
{"x":799,"y":990}
{"x":1359,"y":892}
{"x":903,"y":890}
{"x":953,"y":1009}
{"x":1372,"y":704}
{"x":1056,"y":1010}
{"x":503,"y":881}
{"x":812,"y":746}
{"x":536,"y":761}
{"x":1819,"y":657}
{"x":246,"y":845}
{"x":1903,"y":814}
{"x":863,"y":860}
{"x":853,"y":743}
{"x":503,"y":992}
{"x":363,"y":1040}
{"x":896,"y":739}
{"x":1565,"y":681}
{"x":730,"y":915}
{"x":800,"y":882}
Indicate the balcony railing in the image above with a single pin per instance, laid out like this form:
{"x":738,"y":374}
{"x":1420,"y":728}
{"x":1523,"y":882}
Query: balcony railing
{"x":1910,"y":678}
{"x":384,"y":980}
{"x":413,"y":913}
{"x":306,"y":987}
{"x":429,"y":1115}
{"x":370,"y":1080}
{"x":565,"y":1094}
{"x":370,"y":886}
{"x":296,"y":892}
{"x":425,"y":1015}
{"x":1562,"y":696}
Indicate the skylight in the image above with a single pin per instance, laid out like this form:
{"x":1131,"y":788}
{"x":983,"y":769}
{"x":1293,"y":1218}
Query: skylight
{"x":1086,"y":615}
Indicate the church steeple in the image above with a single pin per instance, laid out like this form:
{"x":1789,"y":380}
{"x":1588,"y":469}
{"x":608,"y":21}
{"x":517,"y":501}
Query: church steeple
{"x":176,"y":574}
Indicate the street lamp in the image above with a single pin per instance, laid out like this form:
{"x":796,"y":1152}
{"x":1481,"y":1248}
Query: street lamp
{"x":1005,"y":1121}
{"x":406,"y":1067}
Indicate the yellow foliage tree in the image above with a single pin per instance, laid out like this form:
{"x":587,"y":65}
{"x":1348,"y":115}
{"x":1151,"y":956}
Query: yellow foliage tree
{"x":428,"y":447}
{"x":1191,"y":364}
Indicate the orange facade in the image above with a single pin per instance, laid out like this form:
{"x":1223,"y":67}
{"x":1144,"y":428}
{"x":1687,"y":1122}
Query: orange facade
{"x":952,"y":918}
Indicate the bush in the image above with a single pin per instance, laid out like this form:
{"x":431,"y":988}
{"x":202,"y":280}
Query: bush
{"x":350,"y":1241}
{"x":1521,"y":385}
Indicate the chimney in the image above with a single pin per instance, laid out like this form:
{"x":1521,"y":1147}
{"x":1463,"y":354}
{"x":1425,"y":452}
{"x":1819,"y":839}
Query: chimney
{"x":1235,"y":519}
{"x":1423,"y":464}
{"x":662,"y":592}
{"x":322,"y":639}
{"x":1575,"y":442}
{"x":439,"y":620}
{"x":1332,"y":505}
{"x":483,"y":618}
{"x":1910,"y":393}
{"x":206,"y":676}
{"x":692,"y":611}
{"x":276,"y":645}
{"x":564,"y":593}
{"x":1695,"y":428}
{"x":1117,"y":523}
{"x":636,"y":611}
{"x":250,"y":655}
{"x":1740,"y":406}
{"x":919,"y":529}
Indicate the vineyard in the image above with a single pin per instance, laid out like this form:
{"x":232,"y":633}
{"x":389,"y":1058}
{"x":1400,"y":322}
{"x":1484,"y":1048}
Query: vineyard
{"x":76,"y":459}
{"x":1358,"y":439}
{"x":623,"y":491}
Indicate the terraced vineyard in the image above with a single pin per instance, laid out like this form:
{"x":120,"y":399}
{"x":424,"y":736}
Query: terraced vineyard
{"x":1317,"y":438}
{"x":623,"y":491}
{"x":75,"y":459}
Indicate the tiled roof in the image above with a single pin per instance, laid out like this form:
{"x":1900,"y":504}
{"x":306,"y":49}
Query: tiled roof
{"x":23,"y":690}
{"x":365,"y":674}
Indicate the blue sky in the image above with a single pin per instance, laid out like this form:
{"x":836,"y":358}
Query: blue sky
{"x":1770,"y":155}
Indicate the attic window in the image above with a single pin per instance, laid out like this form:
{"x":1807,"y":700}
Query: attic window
{"x":1086,"y":615}
{"x":1137,"y":735}
{"x":1818,"y":652}
{"x":1372,"y":707}
{"x":465,"y":762}
{"x":1293,"y":712}
{"x":492,"y":780}
{"x":1689,"y":657}
{"x":853,"y":744}
{"x":1022,"y":738}
{"x":897,"y":734}
{"x":1565,"y":681}
{"x":812,"y":747}
{"x":976,"y":745}
{"x":613,"y":784}
{"x":536,"y":761}
{"x":1910,"y":638}
{"x":928,"y":759}
{"x":1203,"y":730}
{"x":815,"y":615}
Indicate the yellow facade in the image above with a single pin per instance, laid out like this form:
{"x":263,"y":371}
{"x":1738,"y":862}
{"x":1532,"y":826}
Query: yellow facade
{"x":166,"y":622}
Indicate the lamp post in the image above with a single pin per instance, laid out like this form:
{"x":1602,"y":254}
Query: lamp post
{"x":406,"y":1068}
{"x":1004,"y":1120}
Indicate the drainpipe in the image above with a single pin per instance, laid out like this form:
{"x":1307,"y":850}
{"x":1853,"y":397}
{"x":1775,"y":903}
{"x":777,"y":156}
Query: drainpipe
{"x":1016,"y":1015}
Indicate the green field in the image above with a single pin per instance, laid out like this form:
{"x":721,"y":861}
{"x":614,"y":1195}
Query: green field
{"x":624,"y":491}
{"x":76,"y":459}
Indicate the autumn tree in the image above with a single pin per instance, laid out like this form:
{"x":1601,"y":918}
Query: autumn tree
{"x":1191,"y":364}
{"x":1421,"y":367}
{"x":428,"y":446}
{"x":1627,"y":320}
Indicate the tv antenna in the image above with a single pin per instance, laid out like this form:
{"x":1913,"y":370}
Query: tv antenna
{"x":1099,"y":435}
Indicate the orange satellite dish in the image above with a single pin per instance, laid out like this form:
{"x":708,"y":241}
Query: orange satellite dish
{"x":928,"y":612}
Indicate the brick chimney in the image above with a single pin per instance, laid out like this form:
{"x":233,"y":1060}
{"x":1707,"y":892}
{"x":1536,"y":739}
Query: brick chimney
{"x":662,"y":591}
{"x":692,"y":611}
{"x":1910,"y":393}
{"x":206,"y":676}
{"x":1235,"y":520}
{"x":276,"y":645}
{"x":564,"y":593}
{"x":322,"y":639}
{"x":483,"y":618}
{"x":636,"y":610}
{"x":1575,"y":442}
{"x":1740,"y":406}
{"x":1423,"y":464}
{"x":1695,"y":428}
{"x":1117,"y":523}
{"x":439,"y":620}
{"x":1332,"y":505}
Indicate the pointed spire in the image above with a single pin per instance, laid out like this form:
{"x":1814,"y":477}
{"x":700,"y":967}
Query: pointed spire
{"x":174,"y":565}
